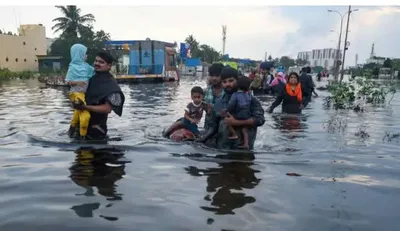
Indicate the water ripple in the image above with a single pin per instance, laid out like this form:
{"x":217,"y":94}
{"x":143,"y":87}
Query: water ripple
{"x":323,"y":170}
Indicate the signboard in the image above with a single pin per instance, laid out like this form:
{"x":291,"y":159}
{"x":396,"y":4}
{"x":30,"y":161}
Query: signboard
{"x":184,"y":50}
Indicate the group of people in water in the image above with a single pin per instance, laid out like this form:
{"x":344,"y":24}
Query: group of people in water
{"x":232,"y":112}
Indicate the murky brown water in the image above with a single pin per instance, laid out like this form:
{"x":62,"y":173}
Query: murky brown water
{"x":349,"y":170}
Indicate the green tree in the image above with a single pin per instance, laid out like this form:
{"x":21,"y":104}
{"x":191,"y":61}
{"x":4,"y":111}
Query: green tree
{"x":194,"y":46}
{"x":209,"y":54}
{"x":203,"y":51}
{"x":270,"y":58}
{"x":72,"y":23}
{"x":286,"y":62}
{"x":301,"y":62}
{"x":396,"y":64}
{"x":75,"y":31}
{"x":318,"y":69}
{"x":387,"y":63}
{"x":94,"y":41}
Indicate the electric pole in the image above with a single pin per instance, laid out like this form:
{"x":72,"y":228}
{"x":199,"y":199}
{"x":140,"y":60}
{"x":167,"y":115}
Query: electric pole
{"x":345,"y":44}
{"x":223,"y":39}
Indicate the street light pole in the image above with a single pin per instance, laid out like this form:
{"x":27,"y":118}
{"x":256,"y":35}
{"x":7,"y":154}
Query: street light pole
{"x":345,"y":44}
{"x":337,"y":65}
{"x":338,"y":50}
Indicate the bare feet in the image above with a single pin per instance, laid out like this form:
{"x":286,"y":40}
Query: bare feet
{"x":234,"y":137}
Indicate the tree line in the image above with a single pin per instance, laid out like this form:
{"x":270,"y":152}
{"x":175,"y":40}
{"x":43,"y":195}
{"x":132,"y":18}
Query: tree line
{"x":76,"y":27}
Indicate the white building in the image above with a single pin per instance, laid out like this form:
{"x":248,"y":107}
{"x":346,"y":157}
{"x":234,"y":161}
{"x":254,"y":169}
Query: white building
{"x":376,"y":60}
{"x":373,"y":58}
{"x":320,"y":57}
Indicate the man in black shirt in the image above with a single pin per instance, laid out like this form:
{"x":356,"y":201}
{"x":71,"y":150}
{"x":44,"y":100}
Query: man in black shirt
{"x":307,"y":85}
{"x":103,"y":95}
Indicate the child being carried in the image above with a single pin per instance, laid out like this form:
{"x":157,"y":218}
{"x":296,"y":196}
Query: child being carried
{"x":239,"y":108}
{"x":193,"y":113}
{"x":78,"y":75}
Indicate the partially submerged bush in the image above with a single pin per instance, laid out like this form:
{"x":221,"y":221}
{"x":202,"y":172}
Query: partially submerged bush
{"x":356,"y":93}
{"x":7,"y":74}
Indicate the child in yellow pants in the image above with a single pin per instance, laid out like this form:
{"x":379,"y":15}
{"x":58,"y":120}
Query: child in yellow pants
{"x":80,"y":117}
{"x":78,"y":75}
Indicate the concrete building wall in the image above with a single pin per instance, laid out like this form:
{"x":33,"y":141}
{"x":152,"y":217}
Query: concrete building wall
{"x":18,"y":53}
{"x":320,"y":57}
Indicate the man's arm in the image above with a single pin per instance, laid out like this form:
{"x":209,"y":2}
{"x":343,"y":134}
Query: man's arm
{"x":113,"y":102}
{"x":75,"y":83}
{"x":103,"y":108}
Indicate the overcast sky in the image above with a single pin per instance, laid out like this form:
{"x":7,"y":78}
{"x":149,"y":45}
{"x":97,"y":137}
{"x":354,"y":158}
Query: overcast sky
{"x":251,"y":32}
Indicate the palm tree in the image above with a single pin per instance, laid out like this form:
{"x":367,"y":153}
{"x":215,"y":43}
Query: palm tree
{"x":72,"y":23}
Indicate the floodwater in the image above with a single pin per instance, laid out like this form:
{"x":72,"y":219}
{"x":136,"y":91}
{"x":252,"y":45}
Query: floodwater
{"x":347,"y":163}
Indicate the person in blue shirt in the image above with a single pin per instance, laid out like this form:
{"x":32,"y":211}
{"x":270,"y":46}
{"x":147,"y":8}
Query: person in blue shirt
{"x":78,"y":75}
{"x":239,"y":107}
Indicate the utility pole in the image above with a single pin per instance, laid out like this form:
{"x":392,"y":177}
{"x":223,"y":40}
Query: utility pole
{"x":345,"y":45}
{"x":337,"y":65}
{"x":223,"y":39}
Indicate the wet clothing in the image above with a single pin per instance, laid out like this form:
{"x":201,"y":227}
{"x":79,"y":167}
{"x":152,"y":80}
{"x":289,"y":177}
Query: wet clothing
{"x":217,"y":133}
{"x":239,"y":105}
{"x":80,"y":117}
{"x":291,"y":100}
{"x":189,"y":126}
{"x":266,"y":81}
{"x":307,"y":86}
{"x":257,"y":82}
{"x":103,"y":88}
{"x":277,"y":85}
{"x":319,"y":75}
{"x":210,"y":99}
{"x":79,"y":70}
{"x":195,"y":112}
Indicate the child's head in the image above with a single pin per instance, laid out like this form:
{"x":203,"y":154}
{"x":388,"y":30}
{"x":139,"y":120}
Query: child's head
{"x":243,"y":83}
{"x":197,"y":94}
{"x":78,"y":53}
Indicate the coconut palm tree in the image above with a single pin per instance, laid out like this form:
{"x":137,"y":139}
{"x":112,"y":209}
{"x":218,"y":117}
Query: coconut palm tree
{"x":73,"y":23}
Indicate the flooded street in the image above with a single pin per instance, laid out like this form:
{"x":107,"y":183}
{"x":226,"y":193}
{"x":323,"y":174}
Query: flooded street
{"x":324,"y":170}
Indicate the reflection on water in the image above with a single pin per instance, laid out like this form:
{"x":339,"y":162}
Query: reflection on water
{"x":347,"y":165}
{"x":224,"y":180}
{"x":99,"y":168}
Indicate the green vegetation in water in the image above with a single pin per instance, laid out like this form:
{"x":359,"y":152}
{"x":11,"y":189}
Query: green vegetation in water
{"x":6,"y":74}
{"x":357,"y":93}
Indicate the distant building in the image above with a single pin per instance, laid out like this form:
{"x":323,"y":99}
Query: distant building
{"x":373,"y":58}
{"x":19,"y":53}
{"x":320,"y":57}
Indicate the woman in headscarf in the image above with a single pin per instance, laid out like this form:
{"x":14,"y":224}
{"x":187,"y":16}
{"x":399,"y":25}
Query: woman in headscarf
{"x":291,"y":96}
{"x":278,"y":83}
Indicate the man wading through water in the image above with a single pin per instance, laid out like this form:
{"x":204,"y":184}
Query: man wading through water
{"x":307,"y":85}
{"x":103,"y":95}
{"x":215,"y":90}
{"x":217,"y":127}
